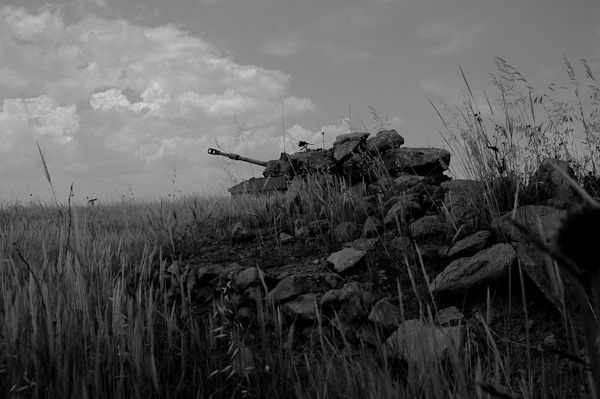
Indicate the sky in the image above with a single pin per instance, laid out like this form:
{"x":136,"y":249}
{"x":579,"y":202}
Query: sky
{"x":124,"y":97}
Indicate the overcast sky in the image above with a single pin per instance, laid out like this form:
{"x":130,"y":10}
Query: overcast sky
{"x":125,"y":97}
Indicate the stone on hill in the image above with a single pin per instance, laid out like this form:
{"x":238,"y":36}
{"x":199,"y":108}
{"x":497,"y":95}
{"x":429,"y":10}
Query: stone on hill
{"x":404,"y":206}
{"x":470,"y":245}
{"x":461,"y":199}
{"x":550,"y":184}
{"x":406,"y":182}
{"x":542,"y":273}
{"x":247,"y":277}
{"x":289,"y":287}
{"x":450,"y":316}
{"x":303,"y":307}
{"x":427,"y":227}
{"x":420,"y":343}
{"x":418,"y":161}
{"x":362,"y":244}
{"x":345,"y":144}
{"x":532,"y":217}
{"x":384,"y":140}
{"x":372,"y":227}
{"x":239,"y":233}
{"x":387,"y":315}
{"x":346,"y":259}
{"x":485,"y":267}
{"x":355,"y":300}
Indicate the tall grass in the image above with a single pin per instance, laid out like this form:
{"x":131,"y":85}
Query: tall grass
{"x":501,"y":141}
{"x":94,"y":305}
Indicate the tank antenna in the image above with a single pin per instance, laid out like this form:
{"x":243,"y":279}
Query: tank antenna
{"x":283,"y":126}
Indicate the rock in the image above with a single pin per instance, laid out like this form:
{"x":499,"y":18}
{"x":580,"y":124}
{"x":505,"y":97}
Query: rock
{"x":208,"y":274}
{"x":240,"y":234}
{"x":549,"y":184}
{"x":246,"y":277}
{"x":405,"y":206}
{"x":346,"y":231}
{"x":303,"y":307}
{"x":385,"y":314}
{"x":356,"y":299}
{"x":346,"y":259}
{"x":358,"y":190}
{"x":401,"y":244}
{"x":406,"y":182}
{"x":383,"y":141}
{"x":362,"y":244}
{"x":416,"y":342}
{"x":372,"y":227}
{"x":449,"y":317}
{"x":382,"y":186}
{"x":285,"y":238}
{"x":542,"y":273}
{"x":462,"y":199}
{"x":531,"y":217}
{"x":289,"y":287}
{"x":427,"y":227}
{"x":330,"y":299}
{"x":417,"y":161}
{"x":485,"y":267}
{"x":345,"y":144}
{"x":470,"y":245}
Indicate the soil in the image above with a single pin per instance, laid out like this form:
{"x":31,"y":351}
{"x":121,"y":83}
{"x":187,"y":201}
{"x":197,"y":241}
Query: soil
{"x":500,"y":313}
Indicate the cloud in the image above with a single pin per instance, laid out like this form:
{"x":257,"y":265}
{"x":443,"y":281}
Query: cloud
{"x":285,"y":46}
{"x":440,"y":87}
{"x":109,"y":99}
{"x":458,"y":36}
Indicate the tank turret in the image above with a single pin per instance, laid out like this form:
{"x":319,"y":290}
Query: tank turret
{"x":279,"y":172}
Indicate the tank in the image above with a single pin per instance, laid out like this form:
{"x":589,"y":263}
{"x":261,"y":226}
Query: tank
{"x":278,"y":173}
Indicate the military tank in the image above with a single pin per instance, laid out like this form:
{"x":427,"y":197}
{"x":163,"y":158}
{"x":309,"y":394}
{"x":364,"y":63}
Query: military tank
{"x":279,"y":172}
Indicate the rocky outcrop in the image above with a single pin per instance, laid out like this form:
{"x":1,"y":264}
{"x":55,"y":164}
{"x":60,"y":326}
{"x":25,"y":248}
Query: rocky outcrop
{"x":417,"y":215}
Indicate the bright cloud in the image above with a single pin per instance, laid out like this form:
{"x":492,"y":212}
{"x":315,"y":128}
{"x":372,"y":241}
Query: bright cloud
{"x":108,"y":98}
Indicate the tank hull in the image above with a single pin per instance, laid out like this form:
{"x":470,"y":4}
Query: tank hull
{"x":260,"y":185}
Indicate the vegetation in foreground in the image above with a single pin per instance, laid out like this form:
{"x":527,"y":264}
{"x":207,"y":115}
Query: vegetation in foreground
{"x":87,"y":307}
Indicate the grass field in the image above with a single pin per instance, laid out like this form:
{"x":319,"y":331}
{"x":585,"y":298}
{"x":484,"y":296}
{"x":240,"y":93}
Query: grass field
{"x":89,"y":307}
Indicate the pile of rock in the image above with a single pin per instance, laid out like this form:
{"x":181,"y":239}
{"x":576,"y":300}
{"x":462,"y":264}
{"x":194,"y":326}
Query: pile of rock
{"x":423,"y":208}
{"x":354,"y":153}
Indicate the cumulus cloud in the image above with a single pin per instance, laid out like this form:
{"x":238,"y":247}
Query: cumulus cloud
{"x":108,"y":98}
{"x":457,"y":35}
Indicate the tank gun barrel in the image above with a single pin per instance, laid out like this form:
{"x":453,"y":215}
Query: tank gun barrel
{"x":236,"y":157}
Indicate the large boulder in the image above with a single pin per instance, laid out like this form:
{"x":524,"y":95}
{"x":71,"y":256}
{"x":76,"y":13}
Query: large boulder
{"x":427,"y":227}
{"x":465,"y":273}
{"x":383,"y":141}
{"x":549,"y":184}
{"x":417,"y":342}
{"x":540,"y":221}
{"x":462,"y":199}
{"x":346,"y":144}
{"x":417,"y":161}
